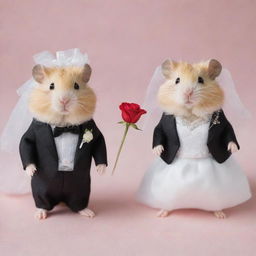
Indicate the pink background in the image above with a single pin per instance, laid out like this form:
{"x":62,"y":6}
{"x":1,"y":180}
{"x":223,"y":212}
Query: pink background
{"x":125,"y":41}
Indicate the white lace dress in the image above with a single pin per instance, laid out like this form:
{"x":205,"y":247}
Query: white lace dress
{"x":194,"y":179}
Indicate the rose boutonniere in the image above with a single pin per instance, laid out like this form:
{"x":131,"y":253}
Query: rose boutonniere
{"x":131,"y":113}
{"x":87,"y":137}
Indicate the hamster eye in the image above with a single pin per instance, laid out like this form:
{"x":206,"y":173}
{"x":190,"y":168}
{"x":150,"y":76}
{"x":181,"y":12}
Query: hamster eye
{"x":177,"y":80}
{"x":51,"y":86}
{"x":76,"y":86}
{"x":200,"y":80}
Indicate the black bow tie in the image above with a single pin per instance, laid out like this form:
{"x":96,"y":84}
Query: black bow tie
{"x":59,"y":130}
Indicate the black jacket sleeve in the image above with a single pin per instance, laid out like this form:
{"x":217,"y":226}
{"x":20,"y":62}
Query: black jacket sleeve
{"x":99,"y":151}
{"x":229,"y":134}
{"x":158,"y":136}
{"x":27,"y":147}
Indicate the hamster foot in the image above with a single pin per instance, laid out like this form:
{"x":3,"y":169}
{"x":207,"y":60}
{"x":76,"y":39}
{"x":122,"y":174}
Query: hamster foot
{"x":41,"y":214}
{"x":87,"y":212}
{"x":162,"y":214}
{"x":220,"y":214}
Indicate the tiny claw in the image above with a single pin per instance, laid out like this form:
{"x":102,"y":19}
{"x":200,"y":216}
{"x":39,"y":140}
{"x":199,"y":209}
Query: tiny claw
{"x":30,"y":170}
{"x":101,"y":168}
{"x":232,"y":147}
{"x":87,"y":213}
{"x":158,"y":150}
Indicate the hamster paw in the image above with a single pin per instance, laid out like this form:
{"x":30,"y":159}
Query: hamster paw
{"x":220,"y":215}
{"x":30,"y":170}
{"x":162,"y":214}
{"x":41,"y":214}
{"x":101,"y":168}
{"x":87,"y":212}
{"x":158,"y":150}
{"x":232,"y":147}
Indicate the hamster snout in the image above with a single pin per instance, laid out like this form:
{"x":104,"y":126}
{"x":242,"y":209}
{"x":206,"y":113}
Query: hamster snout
{"x":64,"y":103}
{"x":189,"y":96}
{"x":64,"y":100}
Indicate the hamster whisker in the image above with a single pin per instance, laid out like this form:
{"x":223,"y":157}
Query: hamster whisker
{"x":82,"y":105}
{"x":45,"y":105}
{"x":202,"y":92}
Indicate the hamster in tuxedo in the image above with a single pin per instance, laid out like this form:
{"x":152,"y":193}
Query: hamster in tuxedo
{"x":192,"y":99}
{"x":62,"y":99}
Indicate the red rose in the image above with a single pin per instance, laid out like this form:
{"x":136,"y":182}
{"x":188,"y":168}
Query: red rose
{"x":131,"y":112}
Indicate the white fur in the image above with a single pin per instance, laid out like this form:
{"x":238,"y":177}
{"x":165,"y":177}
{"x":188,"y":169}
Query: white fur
{"x":30,"y":170}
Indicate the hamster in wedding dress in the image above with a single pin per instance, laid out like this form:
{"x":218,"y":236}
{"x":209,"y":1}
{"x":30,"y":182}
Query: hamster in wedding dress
{"x":193,"y":142}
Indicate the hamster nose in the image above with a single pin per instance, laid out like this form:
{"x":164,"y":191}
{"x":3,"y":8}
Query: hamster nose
{"x":64,"y":100}
{"x":189,"y":93}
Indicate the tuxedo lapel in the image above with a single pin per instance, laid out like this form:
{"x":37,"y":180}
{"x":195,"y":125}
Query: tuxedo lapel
{"x":166,"y":134}
{"x":214,"y":124}
{"x":50,"y":142}
{"x":169,"y":122}
{"x":82,"y":129}
{"x":80,"y":138}
{"x":171,"y":128}
{"x":46,"y":136}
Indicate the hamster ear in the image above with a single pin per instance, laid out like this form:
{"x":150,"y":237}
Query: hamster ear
{"x":167,"y":67}
{"x":214,"y":68}
{"x":38,"y":73}
{"x":86,"y":73}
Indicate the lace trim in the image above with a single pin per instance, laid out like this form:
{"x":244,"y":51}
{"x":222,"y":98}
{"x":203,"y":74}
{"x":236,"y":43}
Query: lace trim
{"x":193,"y":124}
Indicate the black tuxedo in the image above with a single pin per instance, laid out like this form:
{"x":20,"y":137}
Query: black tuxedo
{"x":220,"y":134}
{"x":50,"y":186}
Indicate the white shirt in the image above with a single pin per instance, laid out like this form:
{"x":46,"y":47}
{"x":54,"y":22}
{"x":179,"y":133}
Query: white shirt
{"x":66,"y":145}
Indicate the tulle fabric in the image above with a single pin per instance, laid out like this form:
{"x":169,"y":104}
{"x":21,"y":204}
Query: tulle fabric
{"x":12,"y":179}
{"x":194,"y":183}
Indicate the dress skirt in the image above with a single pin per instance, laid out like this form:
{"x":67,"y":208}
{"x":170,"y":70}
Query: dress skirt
{"x":194,"y":183}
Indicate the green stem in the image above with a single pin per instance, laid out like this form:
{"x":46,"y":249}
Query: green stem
{"x":127,"y":125}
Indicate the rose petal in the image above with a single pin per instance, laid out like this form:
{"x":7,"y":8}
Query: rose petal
{"x":135,"y":106}
{"x":136,"y":118}
{"x":126,"y":117}
{"x":122,"y":106}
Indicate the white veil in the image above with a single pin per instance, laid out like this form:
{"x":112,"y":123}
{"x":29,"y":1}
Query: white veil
{"x":233,"y":107}
{"x":12,"y":179}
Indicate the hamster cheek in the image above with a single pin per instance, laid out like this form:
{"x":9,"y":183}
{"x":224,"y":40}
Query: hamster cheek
{"x":56,"y":105}
{"x":180,"y":97}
